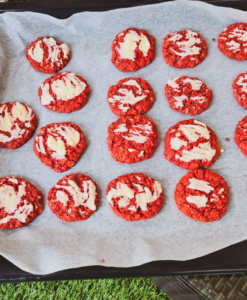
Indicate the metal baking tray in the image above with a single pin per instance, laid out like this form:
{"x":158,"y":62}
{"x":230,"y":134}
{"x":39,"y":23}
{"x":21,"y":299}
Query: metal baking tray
{"x":232,"y":259}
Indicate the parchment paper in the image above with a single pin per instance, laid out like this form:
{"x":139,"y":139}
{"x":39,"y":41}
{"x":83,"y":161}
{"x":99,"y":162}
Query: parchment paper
{"x":49,"y":244}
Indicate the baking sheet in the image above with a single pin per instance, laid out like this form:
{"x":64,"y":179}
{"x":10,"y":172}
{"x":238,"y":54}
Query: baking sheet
{"x":49,"y":244}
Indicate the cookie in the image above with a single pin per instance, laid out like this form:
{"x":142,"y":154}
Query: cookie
{"x":47,"y":55}
{"x":184,"y":49}
{"x":73,"y":198}
{"x":202,"y":195}
{"x":20,"y":202}
{"x":64,"y":92}
{"x":241,"y":135}
{"x":17,"y":124}
{"x":132,"y":49}
{"x":59,"y":145}
{"x":188,"y":95}
{"x":239,"y":88}
{"x":130,"y":96}
{"x":135,"y":196}
{"x":132,"y":138}
{"x":191,"y":144}
{"x":232,"y":41}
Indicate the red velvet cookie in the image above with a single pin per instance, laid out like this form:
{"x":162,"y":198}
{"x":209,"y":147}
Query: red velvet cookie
{"x":239,"y":87}
{"x":241,"y":135}
{"x":64,"y":92}
{"x":202,"y":195}
{"x":130,"y":96}
{"x":233,"y":41}
{"x":184,"y":49}
{"x":188,"y":95}
{"x":135,"y":196}
{"x":17,"y":124}
{"x":132,"y":49}
{"x":20,"y":202}
{"x":132,"y":138}
{"x":191,"y":144}
{"x":47,"y":55}
{"x":59,"y":145}
{"x":73,"y":198}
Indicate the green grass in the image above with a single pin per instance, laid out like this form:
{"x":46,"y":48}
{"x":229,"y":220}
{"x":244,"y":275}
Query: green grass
{"x":103,"y":289}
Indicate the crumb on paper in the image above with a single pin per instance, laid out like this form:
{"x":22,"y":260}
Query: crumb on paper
{"x":213,"y":39}
{"x":222,"y":150}
{"x":227,"y":139}
{"x":102,"y":260}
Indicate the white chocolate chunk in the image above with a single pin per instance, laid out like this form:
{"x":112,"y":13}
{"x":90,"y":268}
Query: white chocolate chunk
{"x":46,"y":98}
{"x":122,"y":190}
{"x":13,"y":179}
{"x":36,"y":52}
{"x":199,"y":201}
{"x":141,"y":153}
{"x":128,"y":46}
{"x":214,"y":198}
{"x":69,"y":87}
{"x":194,"y":132}
{"x":40,"y":144}
{"x":135,"y":134}
{"x":190,"y":33}
{"x":147,"y":127}
{"x":62,"y":197}
{"x":136,"y":137}
{"x":243,"y":83}
{"x":127,"y":97}
{"x":20,"y":112}
{"x":86,"y":198}
{"x":9,"y":198}
{"x":71,"y":135}
{"x":204,"y":151}
{"x":20,"y":214}
{"x":200,"y":185}
{"x":133,"y":82}
{"x":179,"y":100}
{"x":239,"y":33}
{"x":54,"y":50}
{"x":195,"y":83}
{"x":200,"y":99}
{"x":177,"y":143}
{"x":8,"y":121}
{"x":234,"y":46}
{"x":143,"y":196}
{"x":57,"y":146}
{"x":173,"y":83}
{"x":175,"y":37}
{"x":121,"y":128}
{"x":188,"y":47}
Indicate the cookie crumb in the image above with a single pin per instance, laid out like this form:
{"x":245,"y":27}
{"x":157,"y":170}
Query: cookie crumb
{"x":227,"y":139}
{"x":222,"y":150}
{"x":213,"y":40}
{"x":102,"y":260}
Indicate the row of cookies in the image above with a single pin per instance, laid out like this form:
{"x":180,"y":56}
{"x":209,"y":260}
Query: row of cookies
{"x":133,"y":197}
